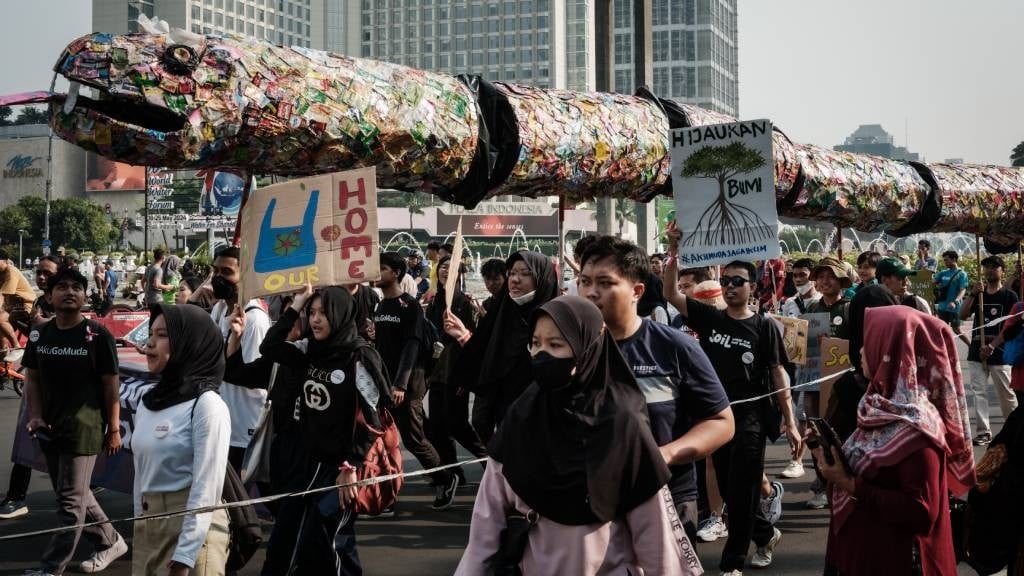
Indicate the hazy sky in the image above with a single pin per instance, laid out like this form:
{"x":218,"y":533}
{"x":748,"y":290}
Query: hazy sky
{"x":948,"y":69}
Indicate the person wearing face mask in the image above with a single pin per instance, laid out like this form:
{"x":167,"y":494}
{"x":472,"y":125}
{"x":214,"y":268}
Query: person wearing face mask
{"x":342,"y":375}
{"x":806,"y":295}
{"x":575,"y":465}
{"x":244,"y":396}
{"x":494,"y":363}
{"x":180,"y":447}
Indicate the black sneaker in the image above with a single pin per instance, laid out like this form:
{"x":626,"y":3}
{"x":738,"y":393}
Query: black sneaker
{"x":446,"y":494}
{"x":10,"y":508}
{"x":388,"y":512}
{"x":983,"y":439}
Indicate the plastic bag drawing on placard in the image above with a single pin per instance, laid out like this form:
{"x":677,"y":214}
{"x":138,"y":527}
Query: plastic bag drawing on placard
{"x":725,"y":222}
{"x":288,"y":246}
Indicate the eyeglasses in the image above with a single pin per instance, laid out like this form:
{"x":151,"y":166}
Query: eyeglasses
{"x":735,"y":281}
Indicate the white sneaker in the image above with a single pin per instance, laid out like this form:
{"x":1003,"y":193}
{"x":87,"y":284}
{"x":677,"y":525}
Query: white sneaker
{"x":818,"y":501}
{"x":763,"y":555}
{"x":712,"y":529}
{"x":732,"y":573}
{"x":104,"y":558}
{"x":36,"y":572}
{"x":770,"y":508}
{"x":793,"y":470}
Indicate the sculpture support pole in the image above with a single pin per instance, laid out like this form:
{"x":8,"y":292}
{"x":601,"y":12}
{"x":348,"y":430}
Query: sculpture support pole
{"x":604,"y":53}
{"x":643,"y":70}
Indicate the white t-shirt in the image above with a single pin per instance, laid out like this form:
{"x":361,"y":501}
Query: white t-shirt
{"x":244,"y":404}
{"x":178,"y":448}
{"x":790,"y":307}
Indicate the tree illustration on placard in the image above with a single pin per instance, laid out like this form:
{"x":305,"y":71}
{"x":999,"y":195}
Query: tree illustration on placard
{"x":725,"y":222}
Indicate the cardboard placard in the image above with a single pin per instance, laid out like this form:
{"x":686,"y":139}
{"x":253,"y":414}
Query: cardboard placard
{"x":835,"y":357}
{"x":923,"y":285}
{"x":454,"y":265}
{"x":321,"y":230}
{"x":818,"y":326}
{"x":794,"y":337}
{"x":724,"y":188}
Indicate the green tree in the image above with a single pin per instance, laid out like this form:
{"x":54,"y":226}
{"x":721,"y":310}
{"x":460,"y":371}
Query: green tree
{"x":625,"y":211}
{"x":12,"y":219}
{"x":414,"y":203}
{"x":724,"y":222}
{"x":5,"y":115}
{"x":73,"y":222}
{"x":32,"y":115}
{"x":1017,"y":156}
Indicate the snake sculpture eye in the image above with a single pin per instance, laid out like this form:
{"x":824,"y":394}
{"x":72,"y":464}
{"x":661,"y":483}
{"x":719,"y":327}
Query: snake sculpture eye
{"x":180,"y":59}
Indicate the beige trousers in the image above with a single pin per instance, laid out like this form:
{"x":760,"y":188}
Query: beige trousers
{"x":155,"y":540}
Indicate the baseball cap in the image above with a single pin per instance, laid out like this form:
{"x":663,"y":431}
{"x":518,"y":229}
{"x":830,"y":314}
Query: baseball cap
{"x":837,"y":268}
{"x":892,"y":267}
{"x":414,"y":253}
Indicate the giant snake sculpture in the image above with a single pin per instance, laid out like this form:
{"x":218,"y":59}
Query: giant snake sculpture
{"x":182,"y":100}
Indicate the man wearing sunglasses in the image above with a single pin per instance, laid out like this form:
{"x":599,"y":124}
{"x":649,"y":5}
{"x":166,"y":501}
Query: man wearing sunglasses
{"x":745,"y":349}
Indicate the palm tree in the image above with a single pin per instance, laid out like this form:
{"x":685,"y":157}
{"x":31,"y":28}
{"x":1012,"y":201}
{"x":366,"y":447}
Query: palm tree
{"x":415,"y":206}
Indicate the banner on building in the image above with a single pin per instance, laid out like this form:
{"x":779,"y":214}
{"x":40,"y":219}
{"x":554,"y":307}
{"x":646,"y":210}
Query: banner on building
{"x":500,"y":219}
{"x":724,"y":188}
{"x":222,"y":193}
{"x":321,"y":230}
{"x":102,"y":174}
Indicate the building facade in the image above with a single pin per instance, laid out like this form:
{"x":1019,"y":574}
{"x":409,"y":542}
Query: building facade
{"x":873,"y":139}
{"x":23,"y":158}
{"x":285,"y":22}
{"x":694,"y":45}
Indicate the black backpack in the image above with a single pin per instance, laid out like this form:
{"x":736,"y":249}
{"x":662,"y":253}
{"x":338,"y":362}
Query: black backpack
{"x":243,"y":523}
{"x":429,"y":337}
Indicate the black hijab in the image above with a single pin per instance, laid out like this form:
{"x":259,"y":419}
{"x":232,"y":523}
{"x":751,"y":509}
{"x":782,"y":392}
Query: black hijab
{"x":652,"y":297}
{"x":582,"y":454}
{"x":436,"y":309}
{"x":197,"y":356}
{"x":508,"y":329}
{"x":872,"y":296}
{"x":344,"y":344}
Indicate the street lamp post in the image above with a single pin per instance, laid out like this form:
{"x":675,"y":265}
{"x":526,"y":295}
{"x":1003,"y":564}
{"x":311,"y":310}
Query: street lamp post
{"x":21,"y":255}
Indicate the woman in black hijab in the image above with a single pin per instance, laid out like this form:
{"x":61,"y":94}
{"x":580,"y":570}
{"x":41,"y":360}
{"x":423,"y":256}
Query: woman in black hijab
{"x":343,"y":375}
{"x":449,"y":408}
{"x":180,"y":446}
{"x":652,"y":303}
{"x":575,"y":456}
{"x":850,"y":387}
{"x":495,"y":363}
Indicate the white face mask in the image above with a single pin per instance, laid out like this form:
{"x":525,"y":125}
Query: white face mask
{"x":805,"y":289}
{"x":525,"y":298}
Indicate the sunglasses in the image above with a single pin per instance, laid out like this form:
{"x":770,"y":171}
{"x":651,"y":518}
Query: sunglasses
{"x":735,"y":281}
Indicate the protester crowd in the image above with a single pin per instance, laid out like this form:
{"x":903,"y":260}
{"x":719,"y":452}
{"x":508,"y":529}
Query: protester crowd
{"x":622,"y":416}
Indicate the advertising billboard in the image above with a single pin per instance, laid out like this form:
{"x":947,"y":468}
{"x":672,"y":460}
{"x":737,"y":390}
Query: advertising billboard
{"x":500,"y":219}
{"x":102,"y":174}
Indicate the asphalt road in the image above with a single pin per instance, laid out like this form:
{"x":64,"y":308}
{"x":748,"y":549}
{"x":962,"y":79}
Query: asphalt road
{"x":417,"y":541}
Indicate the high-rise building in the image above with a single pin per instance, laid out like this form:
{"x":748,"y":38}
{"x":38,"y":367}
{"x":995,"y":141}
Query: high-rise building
{"x":694,"y":45}
{"x":543,"y":43}
{"x":873,"y":139}
{"x":286,"y":22}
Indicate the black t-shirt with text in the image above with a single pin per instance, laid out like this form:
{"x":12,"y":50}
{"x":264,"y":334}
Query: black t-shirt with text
{"x":741,"y":351}
{"x":996,"y":306}
{"x":396,"y":321}
{"x":70,"y":364}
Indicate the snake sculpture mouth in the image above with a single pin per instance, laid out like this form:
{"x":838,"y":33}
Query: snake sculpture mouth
{"x":127,"y":112}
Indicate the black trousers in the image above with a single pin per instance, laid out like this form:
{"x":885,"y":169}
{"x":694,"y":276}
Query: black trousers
{"x":485,"y":417}
{"x":449,"y":423}
{"x":311,"y":534}
{"x":17,"y":489}
{"x":412,"y":421}
{"x":739,"y":466}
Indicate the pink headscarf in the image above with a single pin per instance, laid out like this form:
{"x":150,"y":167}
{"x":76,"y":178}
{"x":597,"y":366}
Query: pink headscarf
{"x":915,"y":398}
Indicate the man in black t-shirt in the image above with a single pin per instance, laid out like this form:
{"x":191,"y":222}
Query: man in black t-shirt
{"x":399,"y":328}
{"x":984,"y":362}
{"x":688,"y":409}
{"x":745,"y":350}
{"x":71,"y":383}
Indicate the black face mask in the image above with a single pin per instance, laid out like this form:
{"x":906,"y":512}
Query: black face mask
{"x":552,"y":373}
{"x":222,"y":289}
